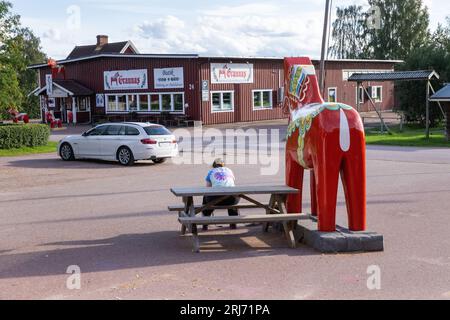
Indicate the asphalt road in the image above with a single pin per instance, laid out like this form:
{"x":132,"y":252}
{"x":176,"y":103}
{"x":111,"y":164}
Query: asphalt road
{"x":112,"y":222}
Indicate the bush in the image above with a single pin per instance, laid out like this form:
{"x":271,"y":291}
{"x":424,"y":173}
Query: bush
{"x":26,"y":135}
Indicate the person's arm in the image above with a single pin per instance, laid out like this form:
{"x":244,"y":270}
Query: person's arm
{"x":208,"y":180}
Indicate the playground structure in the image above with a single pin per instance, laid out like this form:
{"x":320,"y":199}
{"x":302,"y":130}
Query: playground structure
{"x":329,"y":140}
{"x":396,"y":76}
{"x":16,"y":116}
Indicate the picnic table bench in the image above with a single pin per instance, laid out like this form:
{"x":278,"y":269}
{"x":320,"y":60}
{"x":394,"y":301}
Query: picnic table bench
{"x":274,"y":210}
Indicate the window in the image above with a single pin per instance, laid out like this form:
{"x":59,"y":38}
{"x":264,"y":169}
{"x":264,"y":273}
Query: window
{"x":130,"y":131}
{"x":143,"y":102}
{"x":166,"y":102}
{"x":154,"y":100}
{"x":222,"y":101}
{"x":332,"y":94}
{"x":262,"y":99}
{"x":132,"y":102}
{"x":114,"y":130}
{"x":83,"y":104}
{"x":98,"y":131}
{"x":360,"y":95}
{"x":121,"y":103}
{"x":112,"y":103}
{"x":178,"y":103}
{"x":377,"y":93}
{"x":157,"y":131}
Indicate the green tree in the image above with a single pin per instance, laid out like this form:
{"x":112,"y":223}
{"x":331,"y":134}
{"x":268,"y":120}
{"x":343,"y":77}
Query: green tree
{"x":349,"y":33}
{"x":19,"y":47}
{"x":403,"y":28}
{"x":434,"y":55}
{"x":29,"y":46}
{"x":9,"y":85}
{"x":9,"y":89}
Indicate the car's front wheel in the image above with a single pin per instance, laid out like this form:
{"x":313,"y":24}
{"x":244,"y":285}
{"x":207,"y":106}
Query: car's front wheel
{"x":159,"y":161}
{"x":125,"y":156}
{"x":66,"y":152}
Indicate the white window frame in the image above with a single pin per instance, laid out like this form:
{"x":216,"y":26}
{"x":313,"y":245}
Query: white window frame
{"x":358,"y":96}
{"x":261,"y":106}
{"x":376,"y":98}
{"x":139,"y":102}
{"x":149,"y":94}
{"x":138,"y":107}
{"x":335,"y":93}
{"x":107,"y":103}
{"x":221,"y":101}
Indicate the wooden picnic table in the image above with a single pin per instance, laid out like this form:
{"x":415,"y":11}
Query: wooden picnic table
{"x":274,"y":211}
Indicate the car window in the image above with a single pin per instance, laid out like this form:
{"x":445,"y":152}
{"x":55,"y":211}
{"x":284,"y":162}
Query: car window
{"x":157,"y":131}
{"x":96,"y":131}
{"x":112,"y":130}
{"x":130,"y":131}
{"x":122,"y":130}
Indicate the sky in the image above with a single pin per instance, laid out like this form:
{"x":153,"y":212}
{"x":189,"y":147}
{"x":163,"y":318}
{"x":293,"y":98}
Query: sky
{"x":205,"y":27}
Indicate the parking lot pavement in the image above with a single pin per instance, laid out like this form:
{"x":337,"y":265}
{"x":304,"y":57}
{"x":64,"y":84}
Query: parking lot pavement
{"x":113,"y":223}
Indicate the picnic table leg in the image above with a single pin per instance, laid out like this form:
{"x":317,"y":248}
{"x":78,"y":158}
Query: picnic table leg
{"x":195,"y":240}
{"x":188,"y":202}
{"x":289,"y":234}
{"x":193,"y":227}
{"x":271,"y":204}
{"x":288,"y":226}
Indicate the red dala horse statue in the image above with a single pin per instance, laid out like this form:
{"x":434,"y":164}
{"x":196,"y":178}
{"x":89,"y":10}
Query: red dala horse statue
{"x":329,"y":139}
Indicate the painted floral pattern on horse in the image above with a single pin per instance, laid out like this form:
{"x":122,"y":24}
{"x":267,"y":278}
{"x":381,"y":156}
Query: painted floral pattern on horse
{"x":302,"y":120}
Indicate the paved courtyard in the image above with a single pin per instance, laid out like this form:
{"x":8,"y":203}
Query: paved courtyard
{"x":113,"y":223}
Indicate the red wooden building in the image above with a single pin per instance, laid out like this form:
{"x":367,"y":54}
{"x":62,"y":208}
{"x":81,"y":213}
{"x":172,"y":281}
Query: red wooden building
{"x":114,"y":81}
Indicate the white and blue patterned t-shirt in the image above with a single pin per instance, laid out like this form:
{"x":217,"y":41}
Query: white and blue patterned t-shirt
{"x":221,"y":177}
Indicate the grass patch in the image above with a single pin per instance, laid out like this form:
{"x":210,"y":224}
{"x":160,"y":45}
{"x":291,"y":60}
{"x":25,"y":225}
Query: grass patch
{"x":410,"y":137}
{"x":49,"y":148}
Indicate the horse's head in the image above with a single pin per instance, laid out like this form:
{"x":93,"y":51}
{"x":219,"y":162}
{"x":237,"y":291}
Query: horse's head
{"x":301,"y":85}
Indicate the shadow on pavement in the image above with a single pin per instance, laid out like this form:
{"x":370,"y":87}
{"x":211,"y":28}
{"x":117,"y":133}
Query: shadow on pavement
{"x":56,"y":163}
{"x":145,"y":250}
{"x":83,"y":196}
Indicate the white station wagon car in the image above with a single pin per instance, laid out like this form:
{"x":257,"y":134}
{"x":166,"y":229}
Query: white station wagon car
{"x":123,"y":142}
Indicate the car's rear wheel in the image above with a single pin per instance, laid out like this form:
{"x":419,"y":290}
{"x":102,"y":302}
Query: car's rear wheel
{"x":125,"y":156}
{"x":66,"y":152}
{"x":159,"y":161}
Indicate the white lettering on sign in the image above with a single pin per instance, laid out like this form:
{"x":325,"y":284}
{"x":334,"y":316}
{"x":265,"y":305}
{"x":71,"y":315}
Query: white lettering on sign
{"x":169,"y":78}
{"x":49,"y":84}
{"x":231,"y":73}
{"x":126,"y":79}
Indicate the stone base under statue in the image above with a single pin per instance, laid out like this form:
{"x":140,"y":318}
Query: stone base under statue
{"x":343,"y":240}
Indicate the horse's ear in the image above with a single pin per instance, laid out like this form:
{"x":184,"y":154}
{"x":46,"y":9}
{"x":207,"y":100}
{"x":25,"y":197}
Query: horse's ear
{"x":301,"y":80}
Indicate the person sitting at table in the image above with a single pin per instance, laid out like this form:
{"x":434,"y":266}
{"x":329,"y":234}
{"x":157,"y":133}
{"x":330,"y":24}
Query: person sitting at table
{"x":220,"y":176}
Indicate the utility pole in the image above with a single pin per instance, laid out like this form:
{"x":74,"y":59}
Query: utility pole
{"x":324,"y":48}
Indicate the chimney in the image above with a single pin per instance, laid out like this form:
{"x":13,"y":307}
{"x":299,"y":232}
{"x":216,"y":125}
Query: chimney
{"x":102,"y":40}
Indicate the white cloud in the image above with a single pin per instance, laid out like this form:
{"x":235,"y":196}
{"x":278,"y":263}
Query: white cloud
{"x":256,"y":30}
{"x":265,"y":28}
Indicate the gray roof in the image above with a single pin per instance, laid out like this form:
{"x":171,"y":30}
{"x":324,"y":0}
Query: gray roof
{"x":442,"y":95}
{"x":72,"y":87}
{"x":191,"y":56}
{"x":395,"y":76}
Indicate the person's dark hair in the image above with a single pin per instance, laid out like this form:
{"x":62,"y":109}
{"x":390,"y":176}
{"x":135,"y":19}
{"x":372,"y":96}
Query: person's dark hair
{"x":218,"y":163}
